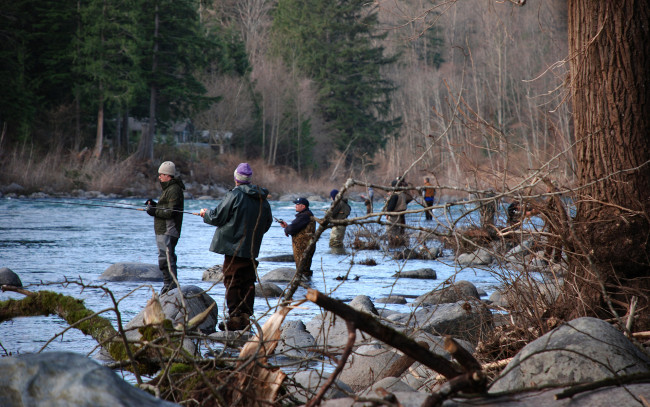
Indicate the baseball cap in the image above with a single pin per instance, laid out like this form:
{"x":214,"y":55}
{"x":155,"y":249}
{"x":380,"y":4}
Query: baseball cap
{"x":302,"y":201}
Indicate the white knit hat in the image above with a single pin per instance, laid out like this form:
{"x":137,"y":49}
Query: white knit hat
{"x":168,"y":168}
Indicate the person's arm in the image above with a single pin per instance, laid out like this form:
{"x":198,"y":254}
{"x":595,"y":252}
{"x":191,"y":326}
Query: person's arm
{"x":299,"y":223}
{"x":219,"y":216}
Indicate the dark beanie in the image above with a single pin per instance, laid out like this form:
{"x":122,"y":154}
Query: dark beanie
{"x":333,"y":193}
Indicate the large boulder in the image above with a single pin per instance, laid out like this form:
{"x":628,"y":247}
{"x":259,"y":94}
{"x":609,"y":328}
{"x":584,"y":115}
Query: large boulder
{"x":458,"y":291}
{"x":305,"y":384}
{"x":132,"y":272}
{"x":366,"y":364}
{"x":61,"y":379}
{"x":8,"y":277}
{"x":196,"y":300}
{"x":332,"y":331}
{"x":466,"y":320}
{"x":282,"y":275}
{"x":295,"y":341}
{"x":268,"y":290}
{"x":213,"y":275}
{"x":580,"y":351}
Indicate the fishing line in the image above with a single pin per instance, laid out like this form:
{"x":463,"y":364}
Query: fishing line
{"x":110,"y":206}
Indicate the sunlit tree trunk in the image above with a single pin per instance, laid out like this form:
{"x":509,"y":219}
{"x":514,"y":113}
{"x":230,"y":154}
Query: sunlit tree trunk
{"x":609,"y":49}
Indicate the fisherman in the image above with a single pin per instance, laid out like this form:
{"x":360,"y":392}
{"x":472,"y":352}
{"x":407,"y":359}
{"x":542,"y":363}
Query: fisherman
{"x":340,"y":211}
{"x":428,"y":194}
{"x":242,"y":218}
{"x":301,"y":230}
{"x":397,"y":202}
{"x":168,"y":219}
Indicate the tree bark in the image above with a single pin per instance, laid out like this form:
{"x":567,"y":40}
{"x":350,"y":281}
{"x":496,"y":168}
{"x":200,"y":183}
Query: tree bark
{"x":609,"y":49}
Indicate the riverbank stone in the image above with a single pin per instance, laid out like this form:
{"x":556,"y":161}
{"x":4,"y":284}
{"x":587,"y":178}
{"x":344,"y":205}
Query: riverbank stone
{"x":213,"y":275}
{"x":132,"y":272}
{"x":423,"y":273}
{"x":583,"y":350}
{"x":268,"y":290}
{"x":458,"y":291}
{"x":282,"y":274}
{"x":66,"y":379}
{"x":295,"y":340}
{"x":8,"y":277}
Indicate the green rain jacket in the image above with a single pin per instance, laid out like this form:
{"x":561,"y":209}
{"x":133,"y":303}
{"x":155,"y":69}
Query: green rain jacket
{"x":167,"y":222}
{"x":242,"y":218}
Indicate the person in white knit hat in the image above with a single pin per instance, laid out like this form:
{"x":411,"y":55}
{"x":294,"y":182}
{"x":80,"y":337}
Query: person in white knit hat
{"x":168,"y":219}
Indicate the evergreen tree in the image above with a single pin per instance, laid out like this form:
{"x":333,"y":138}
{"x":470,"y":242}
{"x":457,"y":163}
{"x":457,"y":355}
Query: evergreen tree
{"x":333,"y":42}
{"x":107,"y":60}
{"x":173,"y":45}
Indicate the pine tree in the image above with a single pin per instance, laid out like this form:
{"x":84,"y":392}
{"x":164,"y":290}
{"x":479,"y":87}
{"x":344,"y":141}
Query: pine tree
{"x":333,"y":42}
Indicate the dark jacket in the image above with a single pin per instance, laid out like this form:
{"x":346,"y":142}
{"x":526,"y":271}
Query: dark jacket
{"x":302,"y":220}
{"x":342,"y":210}
{"x":242,"y":218}
{"x":167,"y":222}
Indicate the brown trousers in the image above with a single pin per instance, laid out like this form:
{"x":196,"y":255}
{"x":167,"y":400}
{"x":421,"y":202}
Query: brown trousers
{"x":239,"y":279}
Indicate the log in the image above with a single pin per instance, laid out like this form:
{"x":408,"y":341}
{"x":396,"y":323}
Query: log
{"x":399,"y":341}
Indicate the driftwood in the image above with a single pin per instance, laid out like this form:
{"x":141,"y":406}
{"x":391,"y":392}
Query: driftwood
{"x":385,"y":334}
{"x":473,"y":379}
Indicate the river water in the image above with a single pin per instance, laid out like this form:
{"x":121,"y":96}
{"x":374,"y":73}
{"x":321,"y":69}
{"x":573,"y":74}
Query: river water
{"x":48,"y":243}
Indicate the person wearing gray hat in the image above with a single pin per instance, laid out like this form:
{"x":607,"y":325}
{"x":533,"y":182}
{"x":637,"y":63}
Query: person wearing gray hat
{"x":168,"y":219}
{"x":301,"y":230}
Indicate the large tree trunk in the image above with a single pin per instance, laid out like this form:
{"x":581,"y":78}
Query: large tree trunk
{"x":609,"y":51}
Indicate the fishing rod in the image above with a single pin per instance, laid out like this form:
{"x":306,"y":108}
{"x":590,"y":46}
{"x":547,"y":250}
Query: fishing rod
{"x":112,"y":206}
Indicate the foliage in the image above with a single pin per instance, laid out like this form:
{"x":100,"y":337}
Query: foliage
{"x":334,"y":43}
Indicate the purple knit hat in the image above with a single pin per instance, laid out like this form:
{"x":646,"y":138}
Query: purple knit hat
{"x":243,"y":173}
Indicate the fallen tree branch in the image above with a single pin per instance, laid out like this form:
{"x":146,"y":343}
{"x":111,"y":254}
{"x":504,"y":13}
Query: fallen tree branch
{"x":385,"y":334}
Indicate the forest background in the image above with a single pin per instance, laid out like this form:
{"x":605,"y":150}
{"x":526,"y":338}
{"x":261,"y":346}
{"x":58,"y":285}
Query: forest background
{"x":311,"y":92}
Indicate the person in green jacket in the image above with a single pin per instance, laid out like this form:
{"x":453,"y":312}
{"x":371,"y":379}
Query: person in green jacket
{"x":168,"y":219}
{"x":242,"y":218}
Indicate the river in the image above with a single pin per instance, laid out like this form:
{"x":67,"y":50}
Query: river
{"x":49,"y":243}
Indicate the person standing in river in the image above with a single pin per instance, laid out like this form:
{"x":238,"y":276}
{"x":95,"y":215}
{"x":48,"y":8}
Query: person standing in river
{"x":242,"y":218}
{"x":397,"y":202}
{"x":301,"y":230}
{"x":168,"y":219}
{"x":340,"y":211}
{"x":428,"y":194}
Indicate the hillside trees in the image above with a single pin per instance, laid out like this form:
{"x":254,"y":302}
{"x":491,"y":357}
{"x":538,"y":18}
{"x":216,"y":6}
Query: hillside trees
{"x":172,"y":46}
{"x":106,"y":64}
{"x":336,"y":44}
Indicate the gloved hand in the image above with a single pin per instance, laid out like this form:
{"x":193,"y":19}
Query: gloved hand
{"x":151,"y":207}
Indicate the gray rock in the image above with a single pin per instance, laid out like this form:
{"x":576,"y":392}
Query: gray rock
{"x":308,"y":383}
{"x":458,"y":291}
{"x":464,"y":320}
{"x":8,"y":277}
{"x":213,"y":275}
{"x":282,"y":258}
{"x":282,"y":274}
{"x":364,"y":304}
{"x":424,"y":273}
{"x":13,"y":188}
{"x":268,"y":290}
{"x":61,"y":379}
{"x":391,"y":299}
{"x":366,"y":364}
{"x":583,"y":350}
{"x":197,"y":301}
{"x":132,"y":272}
{"x":477,"y":258}
{"x":624,"y":395}
{"x":390,"y":384}
{"x":295,"y":340}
